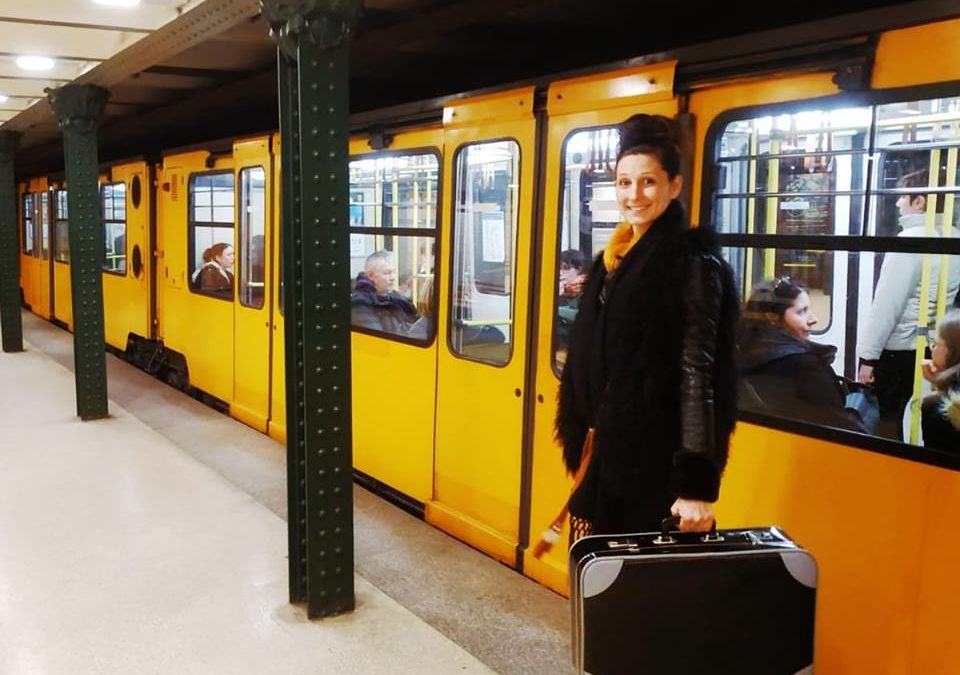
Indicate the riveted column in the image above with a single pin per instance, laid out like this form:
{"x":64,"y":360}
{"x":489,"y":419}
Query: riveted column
{"x":292,"y":242}
{"x":78,"y":108}
{"x":10,"y":322}
{"x":312,"y":33}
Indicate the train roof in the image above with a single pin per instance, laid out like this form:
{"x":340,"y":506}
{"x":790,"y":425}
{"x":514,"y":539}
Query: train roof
{"x":209,"y":69}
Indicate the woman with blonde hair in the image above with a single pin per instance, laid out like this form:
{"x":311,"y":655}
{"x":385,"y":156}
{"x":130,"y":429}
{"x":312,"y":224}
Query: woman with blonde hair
{"x":941,"y":410}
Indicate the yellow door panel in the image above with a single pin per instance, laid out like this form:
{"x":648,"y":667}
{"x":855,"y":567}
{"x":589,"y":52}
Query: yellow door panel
{"x":63,"y":301}
{"x":198,"y":326}
{"x":918,"y":55}
{"x":582,"y":103}
{"x":480,"y":405}
{"x":250,"y":402}
{"x":277,"y":425}
{"x":394,"y":383}
{"x":126,"y":293}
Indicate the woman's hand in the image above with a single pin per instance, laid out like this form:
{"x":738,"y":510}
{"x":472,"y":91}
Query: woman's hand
{"x":695,"y":516}
{"x":865,"y":375}
{"x":929,"y":371}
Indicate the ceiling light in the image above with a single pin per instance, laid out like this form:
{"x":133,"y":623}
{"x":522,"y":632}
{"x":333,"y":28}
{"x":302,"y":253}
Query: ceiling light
{"x":118,"y":3}
{"x":3,"y":99}
{"x":34,"y":63}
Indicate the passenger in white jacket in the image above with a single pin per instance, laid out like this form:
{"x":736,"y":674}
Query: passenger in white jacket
{"x":888,"y":340}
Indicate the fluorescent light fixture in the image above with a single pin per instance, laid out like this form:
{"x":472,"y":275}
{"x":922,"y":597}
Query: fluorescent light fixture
{"x":34,"y":63}
{"x":3,"y":98}
{"x":118,"y":3}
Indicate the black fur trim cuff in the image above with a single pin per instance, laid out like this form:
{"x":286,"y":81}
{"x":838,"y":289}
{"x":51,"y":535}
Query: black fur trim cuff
{"x":695,"y":476}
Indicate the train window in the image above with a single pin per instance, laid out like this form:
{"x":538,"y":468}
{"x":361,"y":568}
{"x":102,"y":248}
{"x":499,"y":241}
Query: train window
{"x":393,"y":226}
{"x":211,"y":255}
{"x":588,"y":215}
{"x":253,"y":219}
{"x":486,"y":189}
{"x":61,"y":240}
{"x":29,"y":229}
{"x":45,"y":224}
{"x":113,"y":198}
{"x":835,"y":329}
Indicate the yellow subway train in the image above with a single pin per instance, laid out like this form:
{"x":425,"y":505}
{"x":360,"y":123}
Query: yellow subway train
{"x":460,"y":228}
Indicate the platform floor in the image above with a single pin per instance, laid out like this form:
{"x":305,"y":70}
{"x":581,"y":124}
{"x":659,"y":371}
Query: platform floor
{"x":155,"y":542}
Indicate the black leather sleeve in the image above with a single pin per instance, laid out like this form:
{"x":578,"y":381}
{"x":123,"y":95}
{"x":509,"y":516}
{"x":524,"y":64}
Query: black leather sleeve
{"x":696,"y":466}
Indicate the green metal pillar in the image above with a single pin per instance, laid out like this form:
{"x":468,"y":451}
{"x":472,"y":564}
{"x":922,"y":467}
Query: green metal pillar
{"x":10,"y":322}
{"x":312,"y":39}
{"x":78,"y":108}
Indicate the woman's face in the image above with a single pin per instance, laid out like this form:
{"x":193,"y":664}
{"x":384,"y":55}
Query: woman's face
{"x":644,"y":189}
{"x":799,"y":319}
{"x":226,"y":258}
{"x":940,"y":354}
{"x":910,"y":204}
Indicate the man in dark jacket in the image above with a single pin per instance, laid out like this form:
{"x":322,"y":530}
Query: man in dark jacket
{"x":374,"y":304}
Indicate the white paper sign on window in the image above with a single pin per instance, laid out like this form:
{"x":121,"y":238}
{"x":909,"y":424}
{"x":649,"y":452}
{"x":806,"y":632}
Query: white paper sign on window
{"x":493,"y":236}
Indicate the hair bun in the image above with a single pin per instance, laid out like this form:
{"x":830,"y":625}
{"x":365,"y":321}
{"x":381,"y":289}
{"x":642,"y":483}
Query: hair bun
{"x":648,"y":130}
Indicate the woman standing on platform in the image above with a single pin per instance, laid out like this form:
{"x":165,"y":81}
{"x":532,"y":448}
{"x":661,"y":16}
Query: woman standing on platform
{"x":647,"y":400}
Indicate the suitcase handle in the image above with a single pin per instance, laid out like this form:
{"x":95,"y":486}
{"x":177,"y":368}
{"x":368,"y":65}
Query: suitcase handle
{"x":671,"y":523}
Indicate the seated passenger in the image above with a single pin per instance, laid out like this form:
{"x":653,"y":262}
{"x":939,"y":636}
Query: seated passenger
{"x":374,"y":304}
{"x":572,"y":279}
{"x":423,"y":327}
{"x":782,"y":371}
{"x":941,"y":410}
{"x":216,"y":274}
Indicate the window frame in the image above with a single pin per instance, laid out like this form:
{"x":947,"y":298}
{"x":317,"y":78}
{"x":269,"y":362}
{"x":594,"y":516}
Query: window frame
{"x":57,"y":219}
{"x":412,"y":232}
{"x":191,"y":224}
{"x":453,"y":249}
{"x":24,"y":196}
{"x":238,"y":234}
{"x":103,"y":224}
{"x":862,"y":242}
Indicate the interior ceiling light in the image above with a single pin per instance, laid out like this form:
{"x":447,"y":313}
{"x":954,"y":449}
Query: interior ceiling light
{"x":34,"y":63}
{"x":118,"y":3}
{"x":3,"y":98}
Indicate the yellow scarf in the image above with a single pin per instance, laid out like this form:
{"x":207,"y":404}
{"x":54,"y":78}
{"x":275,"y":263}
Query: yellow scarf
{"x":620,"y":243}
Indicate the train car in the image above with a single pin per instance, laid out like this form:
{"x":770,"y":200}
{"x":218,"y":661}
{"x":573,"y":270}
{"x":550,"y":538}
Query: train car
{"x":460,"y":227}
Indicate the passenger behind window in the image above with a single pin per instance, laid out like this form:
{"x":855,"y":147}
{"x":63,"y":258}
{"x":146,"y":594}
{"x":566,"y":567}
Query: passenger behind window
{"x":941,"y":410}
{"x":423,"y":327}
{"x":374,"y":303}
{"x":466,"y":333}
{"x":216,"y":274}
{"x":572,"y":279}
{"x":783,"y":372}
{"x":887,"y":343}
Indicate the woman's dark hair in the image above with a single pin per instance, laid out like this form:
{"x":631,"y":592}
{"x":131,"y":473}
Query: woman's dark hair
{"x":215,"y":251}
{"x":772,"y":297}
{"x":572,"y":258}
{"x":919,"y":179}
{"x":948,"y":330}
{"x":652,"y":135}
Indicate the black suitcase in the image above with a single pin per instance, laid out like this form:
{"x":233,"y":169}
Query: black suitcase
{"x":737,"y":602}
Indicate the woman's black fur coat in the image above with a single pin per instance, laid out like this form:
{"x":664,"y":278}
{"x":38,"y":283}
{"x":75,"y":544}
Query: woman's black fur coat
{"x":651,"y":366}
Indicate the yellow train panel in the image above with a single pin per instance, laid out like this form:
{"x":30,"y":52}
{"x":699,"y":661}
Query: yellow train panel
{"x":918,"y":55}
{"x":277,"y":425}
{"x":126,"y":293}
{"x":622,"y":89}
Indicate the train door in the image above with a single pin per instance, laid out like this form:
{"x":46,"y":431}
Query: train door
{"x":28,"y":240}
{"x":44,"y":267}
{"x":489,"y":161}
{"x":277,"y":426}
{"x":252,"y":309}
{"x":62,"y":301}
{"x":393,"y":242}
{"x":579,"y":214}
{"x":125,"y":209}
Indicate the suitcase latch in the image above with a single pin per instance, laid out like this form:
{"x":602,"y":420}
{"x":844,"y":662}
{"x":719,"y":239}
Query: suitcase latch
{"x":623,"y":546}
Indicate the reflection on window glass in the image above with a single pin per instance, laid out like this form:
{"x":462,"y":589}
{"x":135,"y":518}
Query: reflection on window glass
{"x":211,"y":234}
{"x":394,"y":191}
{"x":795,"y":366}
{"x":589,"y":215}
{"x":253,"y":218}
{"x":29,"y":231}
{"x":392,"y":273}
{"x":114,"y":208}
{"x":393,"y":285}
{"x":484,"y":239}
{"x":61,"y":242}
{"x":45,"y":224}
{"x":800,"y":174}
